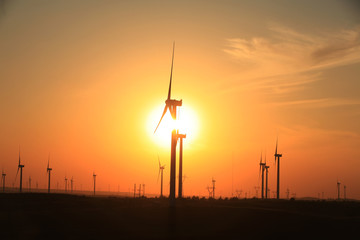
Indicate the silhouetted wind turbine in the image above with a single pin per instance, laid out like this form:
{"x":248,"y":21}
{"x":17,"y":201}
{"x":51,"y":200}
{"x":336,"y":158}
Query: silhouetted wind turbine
{"x":171,"y":104}
{"x":3,"y":175}
{"x":278,"y":156}
{"x":213,"y":187}
{"x":20,"y":166}
{"x":338,"y":187}
{"x":267,"y":174}
{"x":48,"y":171}
{"x":66,"y":184}
{"x":29,"y":183}
{"x":72,"y":181}
{"x":161,"y":170}
{"x":94,"y":176}
{"x":262,"y":168}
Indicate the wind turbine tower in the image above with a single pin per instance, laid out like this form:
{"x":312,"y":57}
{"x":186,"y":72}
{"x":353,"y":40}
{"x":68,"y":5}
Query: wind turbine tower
{"x":278,"y":156}
{"x":338,"y":188}
{"x":344,"y":192}
{"x":172,"y":104}
{"x":94,"y":176}
{"x":181,"y":137}
{"x":48,"y":171}
{"x":3,"y":175}
{"x":20,"y":166}
{"x":29,"y":183}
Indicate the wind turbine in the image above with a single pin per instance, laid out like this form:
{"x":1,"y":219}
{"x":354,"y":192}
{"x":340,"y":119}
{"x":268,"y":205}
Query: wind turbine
{"x":262,"y":168}
{"x":20,"y":166}
{"x":94,"y":176}
{"x":48,"y":171}
{"x":181,"y":137}
{"x":66,"y":184}
{"x":72,"y":181}
{"x":338,"y":187}
{"x":171,"y":104}
{"x":161,"y":170}
{"x":278,"y":156}
{"x":29,"y":183}
{"x":213,"y":187}
{"x":267,"y":174}
{"x":3,"y":175}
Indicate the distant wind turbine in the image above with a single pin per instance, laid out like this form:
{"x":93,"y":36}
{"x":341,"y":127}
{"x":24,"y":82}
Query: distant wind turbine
{"x":278,"y":156}
{"x":48,"y":171}
{"x":267,"y":174}
{"x":3,"y":175}
{"x":94,"y":176}
{"x":161,"y":170}
{"x":66,"y":184}
{"x":20,"y":166}
{"x":261,"y":169}
{"x":338,"y":187}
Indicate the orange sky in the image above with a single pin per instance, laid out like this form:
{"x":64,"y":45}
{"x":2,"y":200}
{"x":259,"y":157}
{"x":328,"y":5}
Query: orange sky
{"x":82,"y":80}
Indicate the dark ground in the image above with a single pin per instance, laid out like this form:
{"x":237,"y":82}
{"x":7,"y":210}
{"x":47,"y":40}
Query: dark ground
{"x":60,"y":216}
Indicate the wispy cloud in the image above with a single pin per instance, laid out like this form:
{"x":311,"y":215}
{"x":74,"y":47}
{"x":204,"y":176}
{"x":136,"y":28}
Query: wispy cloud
{"x":288,"y":60}
{"x":319,"y":103}
{"x":294,"y":52}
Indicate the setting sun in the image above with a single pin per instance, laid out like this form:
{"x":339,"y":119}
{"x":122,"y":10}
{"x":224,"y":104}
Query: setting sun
{"x":186,"y":123}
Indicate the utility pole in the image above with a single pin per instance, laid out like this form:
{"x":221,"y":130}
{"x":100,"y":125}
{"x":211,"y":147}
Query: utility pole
{"x":134,"y":190}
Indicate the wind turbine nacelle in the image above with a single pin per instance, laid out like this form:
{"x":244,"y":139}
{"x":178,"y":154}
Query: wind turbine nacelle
{"x":49,"y":169}
{"x":173,"y":102}
{"x":278,"y":155}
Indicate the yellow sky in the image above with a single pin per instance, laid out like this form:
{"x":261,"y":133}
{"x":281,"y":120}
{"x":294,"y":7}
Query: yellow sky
{"x":83,"y":80}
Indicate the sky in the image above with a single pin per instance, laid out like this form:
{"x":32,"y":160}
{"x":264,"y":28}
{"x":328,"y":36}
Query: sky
{"x":85,"y":81}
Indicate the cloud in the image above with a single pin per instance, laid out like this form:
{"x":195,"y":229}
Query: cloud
{"x":295,"y":52}
{"x":288,"y":60}
{"x":319,"y":103}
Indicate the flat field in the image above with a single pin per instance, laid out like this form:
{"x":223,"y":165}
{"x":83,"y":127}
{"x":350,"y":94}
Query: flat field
{"x":64,"y":216}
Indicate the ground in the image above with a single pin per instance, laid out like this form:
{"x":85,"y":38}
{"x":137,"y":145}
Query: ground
{"x":63,"y":216}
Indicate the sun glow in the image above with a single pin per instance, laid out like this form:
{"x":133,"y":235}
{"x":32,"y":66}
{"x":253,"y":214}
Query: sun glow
{"x":186,"y":123}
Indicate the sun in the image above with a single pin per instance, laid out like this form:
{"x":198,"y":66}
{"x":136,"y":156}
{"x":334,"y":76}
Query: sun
{"x":186,"y":122}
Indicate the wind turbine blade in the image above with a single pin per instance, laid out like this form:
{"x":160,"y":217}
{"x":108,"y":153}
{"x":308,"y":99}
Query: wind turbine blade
{"x":159,"y":161}
{"x":165,"y":109}
{"x":17,"y":172}
{"x":172,"y":64}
